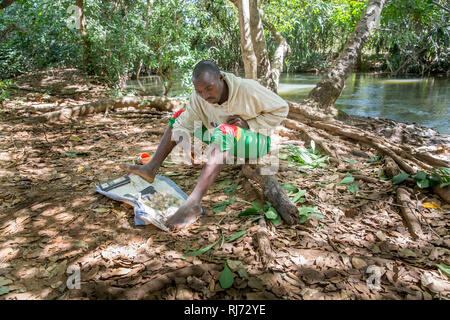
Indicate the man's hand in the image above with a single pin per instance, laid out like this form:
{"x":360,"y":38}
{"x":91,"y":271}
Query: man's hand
{"x":237,"y":121}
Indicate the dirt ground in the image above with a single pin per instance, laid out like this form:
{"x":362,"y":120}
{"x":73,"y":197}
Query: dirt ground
{"x":51,"y":219}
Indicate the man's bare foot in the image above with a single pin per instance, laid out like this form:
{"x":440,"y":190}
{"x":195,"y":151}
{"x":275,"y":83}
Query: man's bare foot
{"x":184,"y":216}
{"x":142,"y":171}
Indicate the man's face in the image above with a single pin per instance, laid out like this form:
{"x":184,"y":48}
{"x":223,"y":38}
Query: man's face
{"x":209,"y":87}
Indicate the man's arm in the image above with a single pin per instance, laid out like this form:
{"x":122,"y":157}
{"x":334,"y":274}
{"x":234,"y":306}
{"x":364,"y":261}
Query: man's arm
{"x":269,"y":119}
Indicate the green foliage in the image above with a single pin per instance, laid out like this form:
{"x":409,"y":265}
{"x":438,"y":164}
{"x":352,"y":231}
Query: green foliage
{"x":226,"y":277}
{"x":40,"y":38}
{"x":228,"y":187}
{"x":303,"y":158}
{"x":4,"y":90}
{"x":439,"y":176}
{"x":306,"y":213}
{"x":400,"y":178}
{"x":222,"y":205}
{"x":267,"y":211}
{"x":353,"y":188}
{"x":413,"y":36}
{"x":167,"y":38}
{"x":159,"y":37}
{"x":444,"y":268}
{"x":347,"y":179}
{"x":297,"y":195}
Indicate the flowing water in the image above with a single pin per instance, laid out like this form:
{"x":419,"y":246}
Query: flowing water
{"x":425,"y":101}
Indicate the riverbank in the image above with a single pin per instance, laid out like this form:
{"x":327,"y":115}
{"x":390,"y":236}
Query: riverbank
{"x":51,"y":218}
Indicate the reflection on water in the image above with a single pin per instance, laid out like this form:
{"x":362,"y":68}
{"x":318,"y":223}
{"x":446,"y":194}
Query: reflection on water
{"x":425,"y":101}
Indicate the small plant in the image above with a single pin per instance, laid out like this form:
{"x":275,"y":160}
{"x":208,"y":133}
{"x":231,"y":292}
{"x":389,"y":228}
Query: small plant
{"x":4,"y":90}
{"x":298,"y":196}
{"x":222,"y":205}
{"x":307,"y":213}
{"x":228,"y":187}
{"x":267,"y":211}
{"x":203,"y":250}
{"x":304,"y":158}
{"x":439,"y":176}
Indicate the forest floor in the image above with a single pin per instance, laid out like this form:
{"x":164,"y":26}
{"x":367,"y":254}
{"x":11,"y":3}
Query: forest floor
{"x":51,"y":218}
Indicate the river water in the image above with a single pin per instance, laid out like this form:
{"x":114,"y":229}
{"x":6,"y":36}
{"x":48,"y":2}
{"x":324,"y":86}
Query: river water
{"x":425,"y":101}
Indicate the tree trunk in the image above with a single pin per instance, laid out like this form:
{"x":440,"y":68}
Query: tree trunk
{"x":283,"y":49}
{"x":6,"y":3}
{"x":254,"y":48}
{"x":328,"y":90}
{"x":86,"y":43}
{"x":248,"y":53}
{"x":259,"y":45}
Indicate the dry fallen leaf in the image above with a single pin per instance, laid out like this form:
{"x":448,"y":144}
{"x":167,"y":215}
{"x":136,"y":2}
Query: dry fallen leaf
{"x":431,"y":205}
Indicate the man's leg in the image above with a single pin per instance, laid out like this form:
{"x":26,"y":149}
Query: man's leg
{"x":191,"y":209}
{"x":148,"y":171}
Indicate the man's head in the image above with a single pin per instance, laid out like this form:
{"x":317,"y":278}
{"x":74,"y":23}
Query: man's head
{"x":209,"y":83}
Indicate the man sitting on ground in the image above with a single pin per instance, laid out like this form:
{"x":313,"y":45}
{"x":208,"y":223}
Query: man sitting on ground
{"x":236,"y":110}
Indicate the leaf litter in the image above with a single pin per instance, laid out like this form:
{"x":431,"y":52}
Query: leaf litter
{"x":329,"y":254}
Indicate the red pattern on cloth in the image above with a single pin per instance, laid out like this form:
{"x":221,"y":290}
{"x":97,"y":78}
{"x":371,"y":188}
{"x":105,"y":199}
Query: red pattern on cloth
{"x":177,"y":113}
{"x":229,"y":129}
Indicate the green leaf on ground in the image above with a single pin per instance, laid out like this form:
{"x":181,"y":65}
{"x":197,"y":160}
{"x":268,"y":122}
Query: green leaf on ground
{"x":256,"y":205}
{"x":224,"y":183}
{"x":374,"y":159}
{"x":349,"y":160}
{"x":423,"y":184}
{"x":289,"y":187}
{"x":248,"y":212}
{"x":271,"y":213}
{"x":400,"y":178}
{"x":347,"y":179}
{"x":306,"y":213}
{"x":353,"y":188}
{"x":230,"y":190}
{"x":226,"y":278}
{"x":221,"y":206}
{"x":419,"y":176}
{"x":277,"y":220}
{"x":298,"y":196}
{"x":200,"y":251}
{"x":256,"y":218}
{"x":4,"y":290}
{"x":444,"y":268}
{"x":235,"y":236}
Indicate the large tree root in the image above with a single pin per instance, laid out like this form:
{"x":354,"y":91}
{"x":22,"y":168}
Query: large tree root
{"x":444,"y":193}
{"x":159,"y":103}
{"x":407,"y":210}
{"x":264,"y":247}
{"x":160,"y":282}
{"x":262,"y":235}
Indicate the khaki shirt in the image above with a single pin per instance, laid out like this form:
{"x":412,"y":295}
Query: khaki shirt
{"x":261,"y":108}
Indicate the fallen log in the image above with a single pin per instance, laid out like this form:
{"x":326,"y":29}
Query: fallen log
{"x":407,"y":211}
{"x":158,"y":283}
{"x":159,"y":103}
{"x":264,"y":247}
